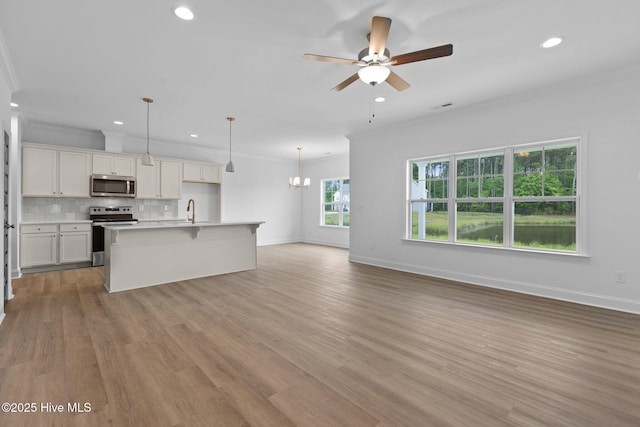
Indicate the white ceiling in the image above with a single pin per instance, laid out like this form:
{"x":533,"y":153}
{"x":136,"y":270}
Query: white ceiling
{"x":86,"y":63}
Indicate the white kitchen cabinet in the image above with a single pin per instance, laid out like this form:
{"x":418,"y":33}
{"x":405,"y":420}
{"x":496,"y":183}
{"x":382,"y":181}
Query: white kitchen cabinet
{"x":147,"y":180}
{"x":74,"y":174}
{"x":199,"y":172}
{"x":75,"y":243}
{"x":53,"y":244}
{"x":163,"y":180}
{"x":106,"y":164}
{"x":39,"y":172}
{"x":170,"y":180}
{"x":38,"y":245}
{"x":55,"y":173}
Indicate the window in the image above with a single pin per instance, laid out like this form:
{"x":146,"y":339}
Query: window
{"x":523,"y":197}
{"x":429,"y":199}
{"x":480,"y":198}
{"x":544,"y":197}
{"x":335,"y":202}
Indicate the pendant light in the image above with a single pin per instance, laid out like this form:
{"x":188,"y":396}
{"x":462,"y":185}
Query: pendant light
{"x":295,"y":181}
{"x":147,"y":159}
{"x":230,"y":167}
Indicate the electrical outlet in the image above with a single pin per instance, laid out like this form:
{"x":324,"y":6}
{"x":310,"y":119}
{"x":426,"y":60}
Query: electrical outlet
{"x":166,"y":208}
{"x":140,"y":208}
{"x":621,"y":276}
{"x":55,"y":208}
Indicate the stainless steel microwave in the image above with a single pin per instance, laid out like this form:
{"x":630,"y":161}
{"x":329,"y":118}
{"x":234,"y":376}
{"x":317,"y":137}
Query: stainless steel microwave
{"x":113,"y":186}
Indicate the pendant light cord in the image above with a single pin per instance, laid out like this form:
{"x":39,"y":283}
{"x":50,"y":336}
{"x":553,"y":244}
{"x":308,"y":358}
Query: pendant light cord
{"x":229,"y":138}
{"x":147,"y":127}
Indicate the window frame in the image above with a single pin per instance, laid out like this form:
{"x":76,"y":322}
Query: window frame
{"x":341,"y":204}
{"x":508,"y":199}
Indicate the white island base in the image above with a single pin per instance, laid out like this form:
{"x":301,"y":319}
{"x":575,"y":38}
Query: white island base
{"x":142,"y":255}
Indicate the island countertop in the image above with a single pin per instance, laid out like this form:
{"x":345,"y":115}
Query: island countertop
{"x":176,"y":224}
{"x":152,"y":253}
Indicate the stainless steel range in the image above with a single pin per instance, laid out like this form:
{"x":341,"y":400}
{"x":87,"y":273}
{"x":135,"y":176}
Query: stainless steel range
{"x":112,"y":215}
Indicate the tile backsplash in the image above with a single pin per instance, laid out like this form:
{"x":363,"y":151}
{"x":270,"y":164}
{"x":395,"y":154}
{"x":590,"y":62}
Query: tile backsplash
{"x":51,"y":209}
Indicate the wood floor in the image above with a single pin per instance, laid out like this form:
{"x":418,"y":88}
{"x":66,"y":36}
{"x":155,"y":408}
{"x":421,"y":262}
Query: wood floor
{"x":310,"y":339}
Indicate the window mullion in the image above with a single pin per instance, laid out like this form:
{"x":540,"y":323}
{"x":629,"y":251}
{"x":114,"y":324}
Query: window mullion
{"x":451,"y":200}
{"x":509,"y":208}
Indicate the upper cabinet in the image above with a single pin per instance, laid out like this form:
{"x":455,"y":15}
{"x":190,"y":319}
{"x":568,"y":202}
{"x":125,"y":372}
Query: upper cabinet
{"x":163,"y":180}
{"x":170,"y":180}
{"x":55,"y":173}
{"x":199,"y":172}
{"x":107,"y":164}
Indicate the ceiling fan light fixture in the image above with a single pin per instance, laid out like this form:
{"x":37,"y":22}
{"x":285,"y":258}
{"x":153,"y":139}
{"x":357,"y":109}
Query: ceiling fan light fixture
{"x":373,"y":74}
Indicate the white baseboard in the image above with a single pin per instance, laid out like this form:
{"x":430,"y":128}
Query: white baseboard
{"x":277,"y":242}
{"x":333,"y":243}
{"x":596,"y":300}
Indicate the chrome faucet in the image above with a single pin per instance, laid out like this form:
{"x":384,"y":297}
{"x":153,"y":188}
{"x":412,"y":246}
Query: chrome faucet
{"x":191,"y":203}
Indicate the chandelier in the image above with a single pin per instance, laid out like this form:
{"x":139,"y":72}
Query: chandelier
{"x":297,"y":181}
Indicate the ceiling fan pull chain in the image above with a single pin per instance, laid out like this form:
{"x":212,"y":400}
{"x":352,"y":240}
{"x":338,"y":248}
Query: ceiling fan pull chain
{"x":372,"y":111}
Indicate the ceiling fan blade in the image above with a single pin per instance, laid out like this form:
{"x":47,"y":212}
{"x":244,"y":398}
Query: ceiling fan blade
{"x":330,"y":59}
{"x":346,"y":82}
{"x":397,"y":82}
{"x":421,"y":55}
{"x":378,"y":36}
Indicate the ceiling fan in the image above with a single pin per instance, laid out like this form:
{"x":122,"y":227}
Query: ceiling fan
{"x":374,"y":61}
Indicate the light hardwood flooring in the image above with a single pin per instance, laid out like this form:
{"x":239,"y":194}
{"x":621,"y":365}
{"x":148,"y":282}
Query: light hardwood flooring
{"x":310,"y":339}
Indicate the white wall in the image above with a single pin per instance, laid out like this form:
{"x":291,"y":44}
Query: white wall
{"x":605,"y":107}
{"x":336,"y":166}
{"x":259,"y":190}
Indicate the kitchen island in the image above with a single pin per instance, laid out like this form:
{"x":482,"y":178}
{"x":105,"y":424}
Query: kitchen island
{"x":148,"y":254}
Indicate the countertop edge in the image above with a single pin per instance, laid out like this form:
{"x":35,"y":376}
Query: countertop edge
{"x":142,"y":226}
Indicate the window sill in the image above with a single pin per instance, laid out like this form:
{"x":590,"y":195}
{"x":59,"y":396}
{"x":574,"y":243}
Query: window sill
{"x":335,"y":226}
{"x":501,"y":248}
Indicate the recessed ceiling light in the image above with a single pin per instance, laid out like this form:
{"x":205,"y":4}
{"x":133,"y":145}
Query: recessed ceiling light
{"x":380,"y":99}
{"x":14,"y":105}
{"x":118,"y":122}
{"x":183,"y":13}
{"x":552,"y":42}
{"x":193,"y":135}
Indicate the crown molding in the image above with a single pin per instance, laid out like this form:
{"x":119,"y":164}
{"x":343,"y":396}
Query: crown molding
{"x":62,"y":128}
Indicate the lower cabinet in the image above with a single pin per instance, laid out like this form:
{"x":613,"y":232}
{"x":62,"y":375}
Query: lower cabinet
{"x":75,"y":243}
{"x":38,"y":245}
{"x":53,"y":244}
